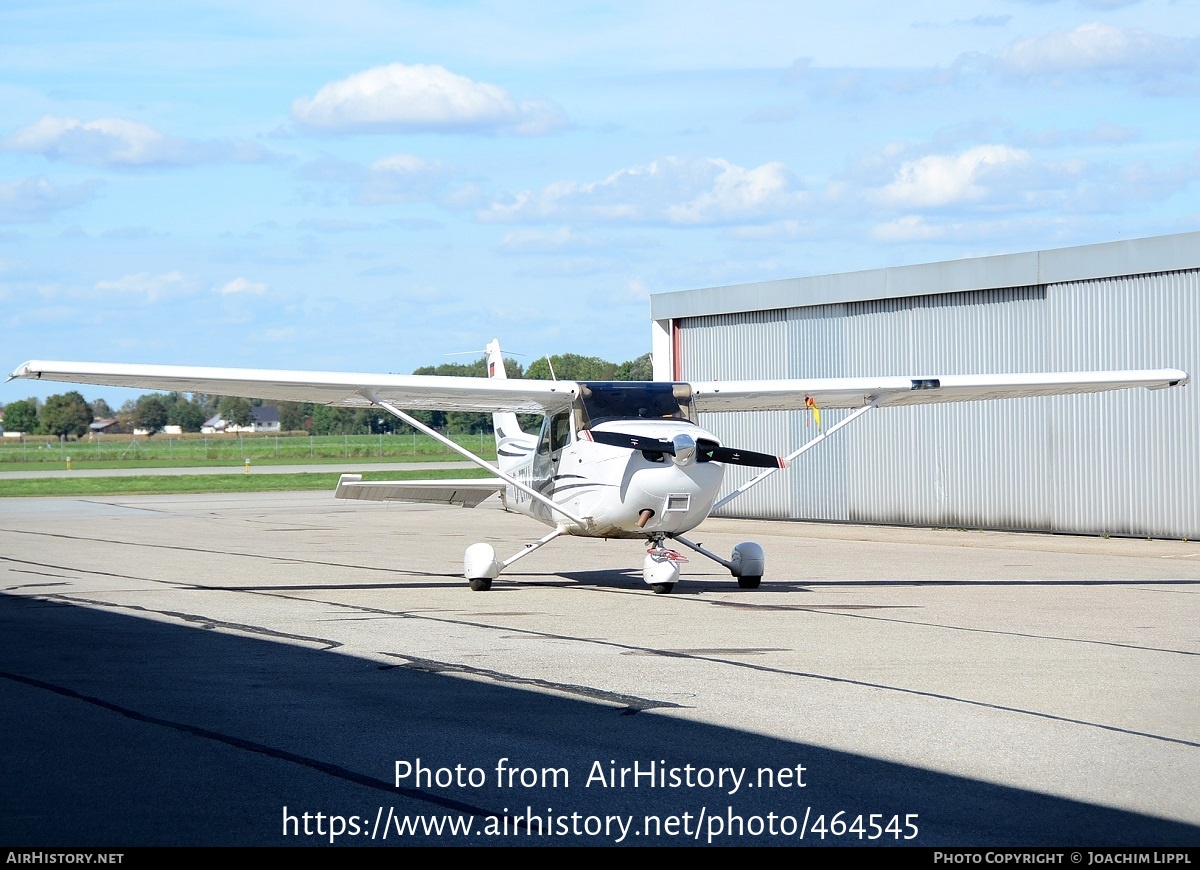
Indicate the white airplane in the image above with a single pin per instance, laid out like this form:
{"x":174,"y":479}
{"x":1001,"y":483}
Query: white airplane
{"x":614,"y":459}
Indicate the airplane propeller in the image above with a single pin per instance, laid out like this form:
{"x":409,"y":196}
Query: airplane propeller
{"x":683,"y":448}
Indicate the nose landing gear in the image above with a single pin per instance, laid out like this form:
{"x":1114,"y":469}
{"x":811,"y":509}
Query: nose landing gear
{"x":660,"y":568}
{"x":748,"y":562}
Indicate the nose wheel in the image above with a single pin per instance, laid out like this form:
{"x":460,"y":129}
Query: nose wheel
{"x":660,"y":568}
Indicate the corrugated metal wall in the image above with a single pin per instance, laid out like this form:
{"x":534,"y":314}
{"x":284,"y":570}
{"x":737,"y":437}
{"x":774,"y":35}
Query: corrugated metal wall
{"x":1124,"y":463}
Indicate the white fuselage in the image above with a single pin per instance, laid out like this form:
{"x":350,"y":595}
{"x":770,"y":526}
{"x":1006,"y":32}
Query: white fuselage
{"x":613,"y":487}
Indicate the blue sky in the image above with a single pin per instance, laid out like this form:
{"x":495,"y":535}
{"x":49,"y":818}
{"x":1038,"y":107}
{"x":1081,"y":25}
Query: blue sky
{"x":369,"y":186}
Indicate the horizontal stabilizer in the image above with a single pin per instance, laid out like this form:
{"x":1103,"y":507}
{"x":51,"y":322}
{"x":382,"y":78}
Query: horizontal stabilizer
{"x":465,"y":493}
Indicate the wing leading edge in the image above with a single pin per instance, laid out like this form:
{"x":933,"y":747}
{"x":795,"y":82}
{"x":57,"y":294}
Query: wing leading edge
{"x":792,"y":395}
{"x":341,"y":389}
{"x":349,"y":389}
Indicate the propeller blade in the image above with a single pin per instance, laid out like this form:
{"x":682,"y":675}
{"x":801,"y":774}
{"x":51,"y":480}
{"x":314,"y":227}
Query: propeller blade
{"x":705,"y":451}
{"x":630,"y":442}
{"x":730,"y":456}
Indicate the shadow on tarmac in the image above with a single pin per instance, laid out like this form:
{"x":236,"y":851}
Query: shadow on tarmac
{"x":126,"y":731}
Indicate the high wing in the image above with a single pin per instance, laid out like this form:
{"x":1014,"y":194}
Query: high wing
{"x":790,"y":395}
{"x":341,"y":389}
{"x":464,"y":493}
{"x":350,"y":389}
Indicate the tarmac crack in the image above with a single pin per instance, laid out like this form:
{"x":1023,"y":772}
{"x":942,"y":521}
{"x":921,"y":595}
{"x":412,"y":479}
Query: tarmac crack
{"x":921,"y":693}
{"x":664,"y":653}
{"x":839,"y":610}
{"x":632,"y":704}
{"x":176,"y":548}
{"x":204,"y":622}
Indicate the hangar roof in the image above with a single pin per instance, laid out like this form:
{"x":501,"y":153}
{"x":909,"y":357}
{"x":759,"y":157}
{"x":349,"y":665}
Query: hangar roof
{"x":1110,"y":259}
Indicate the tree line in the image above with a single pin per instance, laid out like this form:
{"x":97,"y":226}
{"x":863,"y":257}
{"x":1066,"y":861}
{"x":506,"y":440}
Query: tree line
{"x":69,"y":415}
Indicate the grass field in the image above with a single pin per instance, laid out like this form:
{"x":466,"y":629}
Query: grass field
{"x":126,"y":451}
{"x":200,"y":483}
{"x":232,"y":464}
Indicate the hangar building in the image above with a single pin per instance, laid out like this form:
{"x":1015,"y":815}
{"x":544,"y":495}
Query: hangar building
{"x":1124,"y":463}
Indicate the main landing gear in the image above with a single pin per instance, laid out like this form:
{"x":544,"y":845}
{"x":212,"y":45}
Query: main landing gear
{"x":660,"y":568}
{"x":481,"y":566}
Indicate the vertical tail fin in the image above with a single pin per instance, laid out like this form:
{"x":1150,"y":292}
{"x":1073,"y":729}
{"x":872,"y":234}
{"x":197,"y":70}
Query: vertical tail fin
{"x":513,"y":447}
{"x":495,"y":360}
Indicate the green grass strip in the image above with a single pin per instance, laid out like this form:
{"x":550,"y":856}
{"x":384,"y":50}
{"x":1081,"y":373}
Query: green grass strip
{"x":204,"y":483}
{"x":234,"y":466}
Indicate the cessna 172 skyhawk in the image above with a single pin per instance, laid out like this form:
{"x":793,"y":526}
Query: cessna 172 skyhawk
{"x":614,"y":459}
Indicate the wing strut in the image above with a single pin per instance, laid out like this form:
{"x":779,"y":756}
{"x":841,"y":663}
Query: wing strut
{"x":764,"y":475}
{"x":373,"y":398}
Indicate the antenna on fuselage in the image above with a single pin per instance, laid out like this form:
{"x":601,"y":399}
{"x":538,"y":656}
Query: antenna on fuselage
{"x":553,"y":376}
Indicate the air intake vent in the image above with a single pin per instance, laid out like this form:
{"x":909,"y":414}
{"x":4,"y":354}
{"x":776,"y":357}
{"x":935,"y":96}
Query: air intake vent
{"x":678,"y":502}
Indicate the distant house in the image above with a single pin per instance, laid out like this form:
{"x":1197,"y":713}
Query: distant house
{"x":264,"y":418}
{"x":104,"y":426}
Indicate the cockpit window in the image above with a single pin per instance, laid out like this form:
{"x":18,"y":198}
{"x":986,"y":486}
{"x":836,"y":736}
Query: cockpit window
{"x":556,"y":433}
{"x":620,"y":400}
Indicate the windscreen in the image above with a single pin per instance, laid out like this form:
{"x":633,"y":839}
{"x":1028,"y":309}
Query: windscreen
{"x":635,"y":400}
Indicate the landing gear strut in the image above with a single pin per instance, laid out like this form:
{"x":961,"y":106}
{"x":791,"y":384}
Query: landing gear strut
{"x":747,"y":564}
{"x":481,"y":567}
{"x":660,"y":568}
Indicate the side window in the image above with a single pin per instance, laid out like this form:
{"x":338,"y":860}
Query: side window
{"x":543,"y":447}
{"x":560,"y":431}
{"x":556,"y":433}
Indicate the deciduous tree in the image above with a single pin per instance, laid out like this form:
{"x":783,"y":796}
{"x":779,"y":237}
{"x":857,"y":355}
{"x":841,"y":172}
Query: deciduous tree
{"x":22,"y":416}
{"x":101,"y":410}
{"x":150,"y":413}
{"x":235,"y":411}
{"x":188,"y":416}
{"x":66,"y":414}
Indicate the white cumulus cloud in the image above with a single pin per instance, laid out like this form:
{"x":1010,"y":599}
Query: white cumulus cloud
{"x":153,"y":287}
{"x":241,"y":285}
{"x":392,"y":179}
{"x":737,"y":192}
{"x":400,"y":97}
{"x":910,"y":228}
{"x":552,"y":242}
{"x":1097,"y":47}
{"x":118,"y":142}
{"x":673,"y":190}
{"x":33,"y":199}
{"x":948,"y":179}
